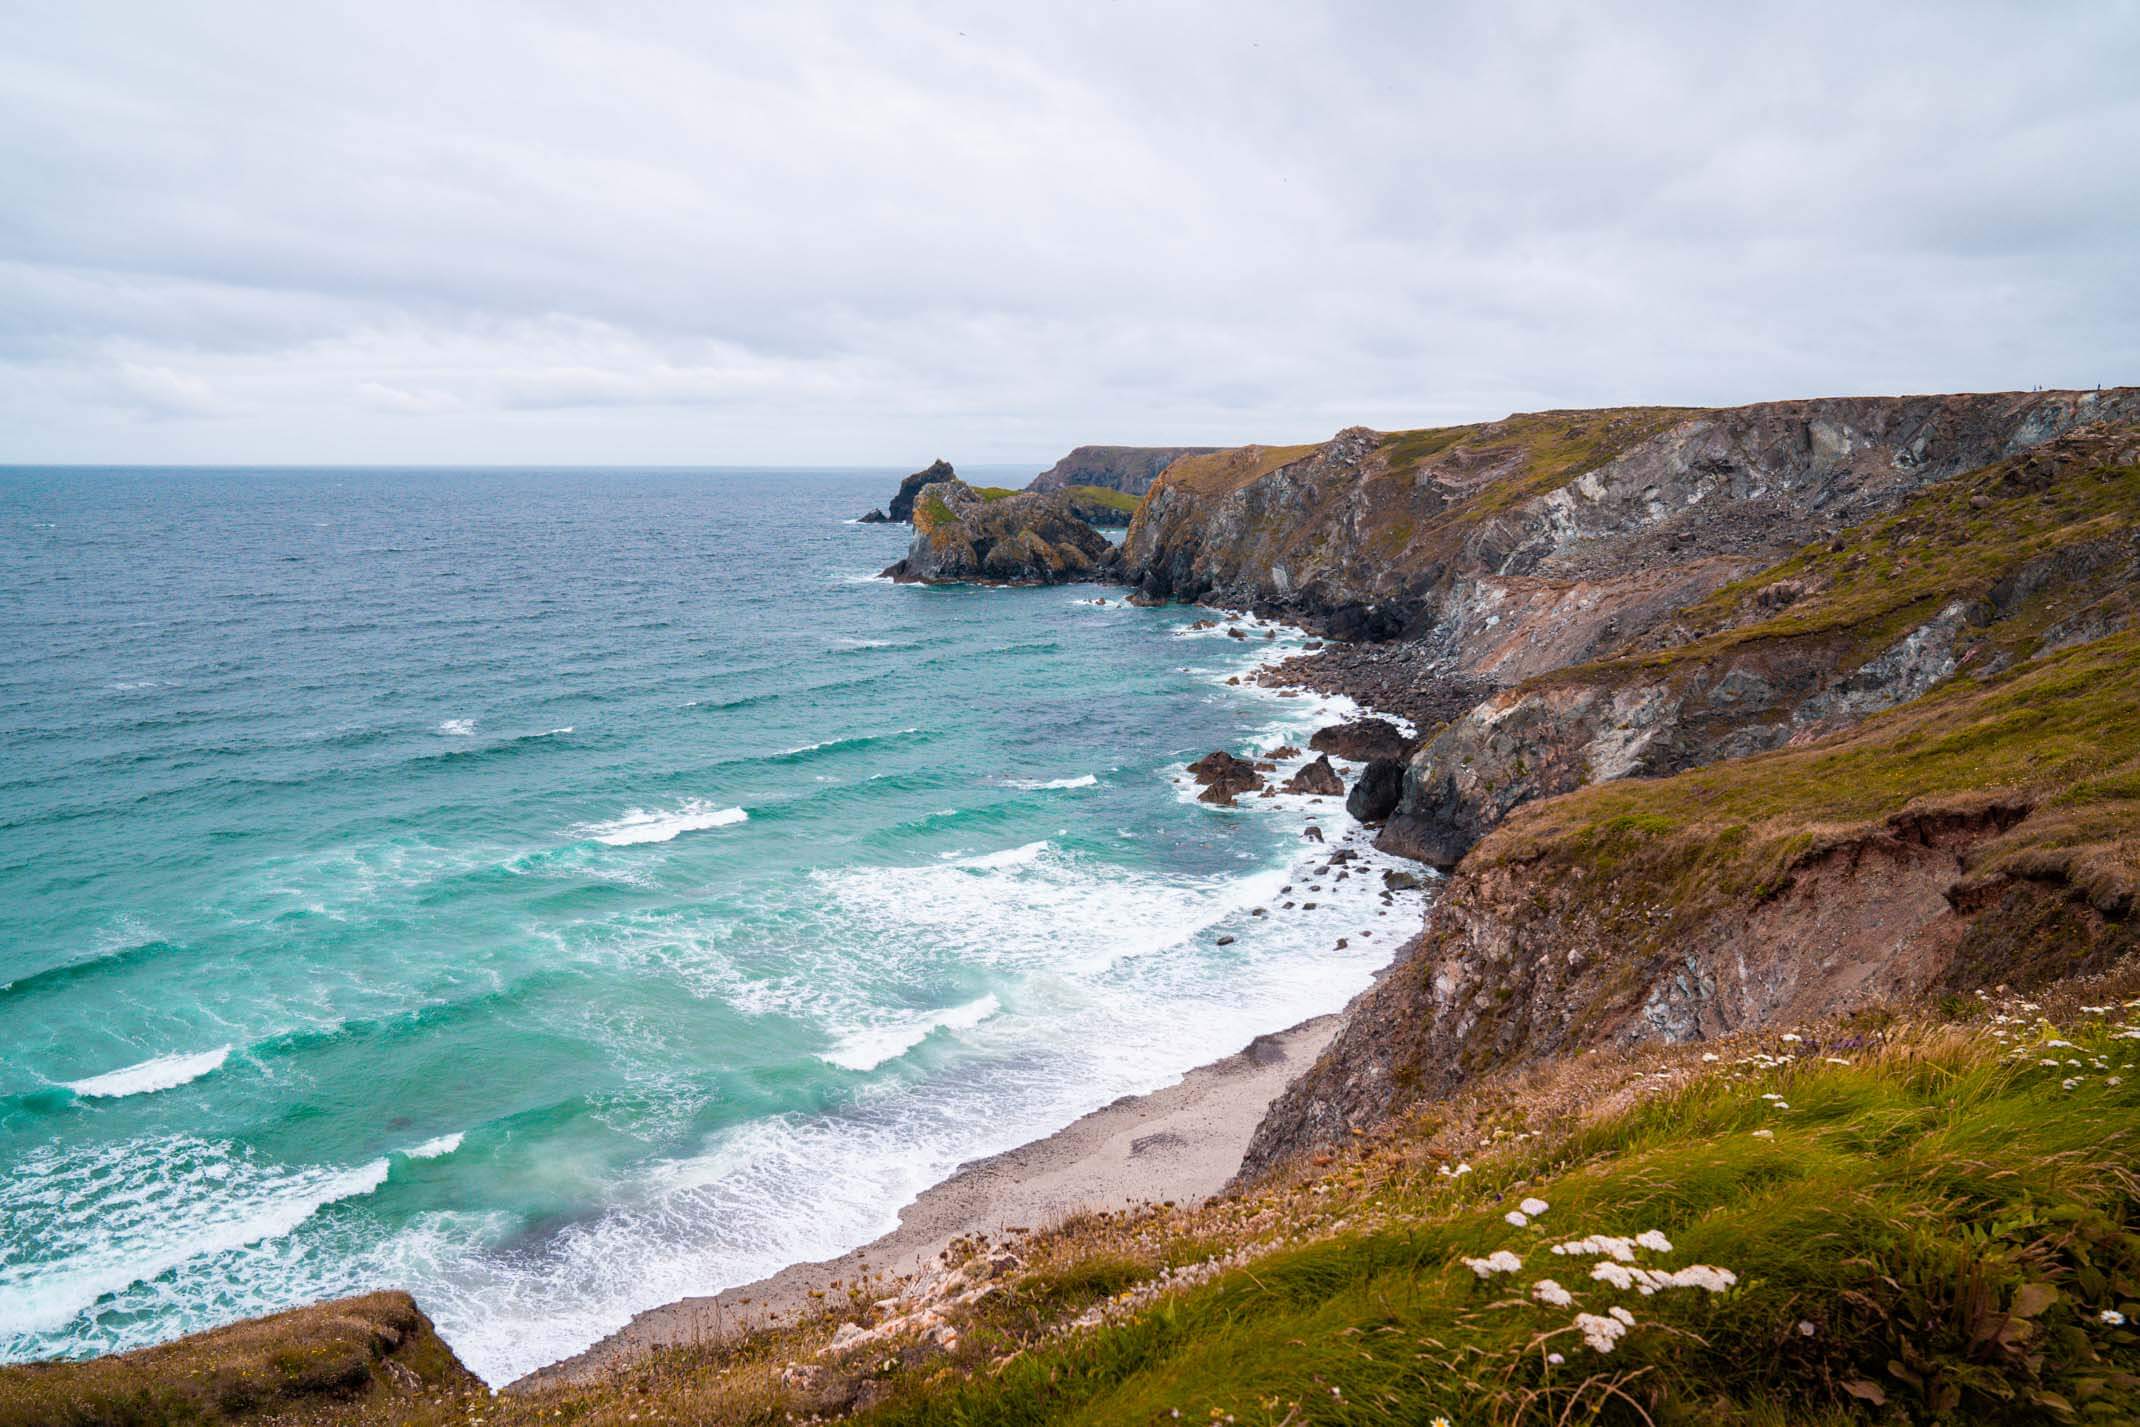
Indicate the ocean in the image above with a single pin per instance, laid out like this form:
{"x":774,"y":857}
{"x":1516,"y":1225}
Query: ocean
{"x":558,"y":892}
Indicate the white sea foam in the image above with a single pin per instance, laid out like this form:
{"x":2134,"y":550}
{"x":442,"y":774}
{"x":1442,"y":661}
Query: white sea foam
{"x":165,"y":1072}
{"x":151,"y":1206}
{"x":437,"y":1148}
{"x":1008,"y":857}
{"x":458,"y":728}
{"x":1083,"y":780}
{"x":642,"y":825}
{"x":871,"y":1046}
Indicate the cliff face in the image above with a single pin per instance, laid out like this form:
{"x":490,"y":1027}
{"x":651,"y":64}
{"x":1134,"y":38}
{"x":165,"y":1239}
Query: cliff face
{"x":1518,"y":546}
{"x":1973,"y":573}
{"x":1988,"y":833}
{"x":1129,"y":469}
{"x":961,"y":534}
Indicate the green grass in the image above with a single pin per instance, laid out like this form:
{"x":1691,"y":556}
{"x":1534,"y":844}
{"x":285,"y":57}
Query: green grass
{"x":1101,"y":495}
{"x":1946,"y":1217}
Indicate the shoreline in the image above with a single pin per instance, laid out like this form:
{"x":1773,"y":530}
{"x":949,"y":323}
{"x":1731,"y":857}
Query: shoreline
{"x":1182,"y":1142}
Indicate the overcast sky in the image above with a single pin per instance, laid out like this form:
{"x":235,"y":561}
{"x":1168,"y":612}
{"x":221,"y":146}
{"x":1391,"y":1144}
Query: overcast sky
{"x":462,"y":231}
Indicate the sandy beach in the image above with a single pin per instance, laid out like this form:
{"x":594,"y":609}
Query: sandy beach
{"x":1182,"y":1142}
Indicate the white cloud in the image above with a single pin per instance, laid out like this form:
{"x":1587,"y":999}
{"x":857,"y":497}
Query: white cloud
{"x":497,"y":231}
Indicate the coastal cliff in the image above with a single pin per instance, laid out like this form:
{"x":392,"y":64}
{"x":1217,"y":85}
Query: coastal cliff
{"x":1128,"y":469}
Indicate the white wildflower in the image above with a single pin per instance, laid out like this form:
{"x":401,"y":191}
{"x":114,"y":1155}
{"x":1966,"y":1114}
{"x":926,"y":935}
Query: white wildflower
{"x":1555,"y":1358}
{"x":2114,"y":1080}
{"x":1499,"y":1261}
{"x":1790,"y":1040}
{"x":1622,"y":1314}
{"x":1619,"y":1275}
{"x":2113,"y":1317}
{"x":1534,"y":1207}
{"x":1654,"y":1241}
{"x":1709,"y":1057}
{"x":1764,"y":1134}
{"x":1516,"y":1217}
{"x":1806,"y":1329}
{"x":1547,"y":1291}
{"x":1600,"y":1333}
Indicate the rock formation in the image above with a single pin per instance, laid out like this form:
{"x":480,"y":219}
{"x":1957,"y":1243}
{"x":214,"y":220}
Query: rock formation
{"x":961,"y":534}
{"x":1129,"y":469}
{"x":1317,"y":778}
{"x":901,"y":509}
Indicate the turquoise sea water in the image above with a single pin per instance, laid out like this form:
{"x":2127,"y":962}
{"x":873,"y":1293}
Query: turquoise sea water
{"x":557,"y":892}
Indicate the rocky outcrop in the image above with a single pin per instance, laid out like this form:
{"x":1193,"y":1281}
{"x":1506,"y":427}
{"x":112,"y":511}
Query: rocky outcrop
{"x":1362,"y":740}
{"x":1376,"y":792}
{"x":1986,"y":834}
{"x":1973,"y":574}
{"x":1318,"y":779}
{"x":961,"y":534}
{"x":901,"y":509}
{"x":1129,"y":469}
{"x":875,"y":517}
{"x":1224,"y":778}
{"x":1097,"y":505}
{"x":1518,"y":546}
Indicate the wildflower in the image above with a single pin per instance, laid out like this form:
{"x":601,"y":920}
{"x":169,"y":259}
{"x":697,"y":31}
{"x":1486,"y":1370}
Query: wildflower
{"x":1555,"y":1358}
{"x":1654,"y":1241}
{"x":1619,"y":1275}
{"x":2113,"y":1317}
{"x":1764,"y":1134}
{"x":2114,"y":1080}
{"x":1439,"y":1422}
{"x":1790,"y":1040}
{"x":1709,"y":1057}
{"x":1547,"y":1291}
{"x":1625,"y":1317}
{"x":1499,"y":1261}
{"x":1806,"y":1329}
{"x":1600,"y":1333}
{"x":1516,"y":1217}
{"x":1534,"y":1207}
{"x":2051,"y":1063}
{"x":2068,"y":1083}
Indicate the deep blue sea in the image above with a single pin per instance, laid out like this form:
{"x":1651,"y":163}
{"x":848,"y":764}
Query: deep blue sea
{"x":556,"y":892}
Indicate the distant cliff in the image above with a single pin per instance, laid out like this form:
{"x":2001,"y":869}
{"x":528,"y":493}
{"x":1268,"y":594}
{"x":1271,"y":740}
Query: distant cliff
{"x":1129,"y":469}
{"x":993,"y":536}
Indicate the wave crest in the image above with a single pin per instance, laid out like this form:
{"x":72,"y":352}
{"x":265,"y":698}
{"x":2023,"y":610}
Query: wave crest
{"x":165,"y":1072}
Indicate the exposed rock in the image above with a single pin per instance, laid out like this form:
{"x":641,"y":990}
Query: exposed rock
{"x":1375,"y":792}
{"x":1130,"y":469}
{"x":1317,"y":778}
{"x":876,"y":517}
{"x":962,"y":535}
{"x":902,"y":506}
{"x":1224,"y":777}
{"x":1312,"y":833}
{"x":1851,"y":872}
{"x":1362,"y":740}
{"x":1878,"y":616}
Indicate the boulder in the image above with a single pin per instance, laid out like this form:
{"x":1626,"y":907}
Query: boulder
{"x":1377,"y":791}
{"x":1224,"y":777}
{"x":876,"y":517}
{"x":1317,"y":778}
{"x":1362,"y":740}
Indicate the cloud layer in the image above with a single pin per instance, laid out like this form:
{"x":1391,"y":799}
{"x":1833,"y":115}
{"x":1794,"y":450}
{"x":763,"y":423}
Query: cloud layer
{"x":658,"y":233}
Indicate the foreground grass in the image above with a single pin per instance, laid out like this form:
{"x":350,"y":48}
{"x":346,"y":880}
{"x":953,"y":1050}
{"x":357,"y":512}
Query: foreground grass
{"x":1922,"y":1223}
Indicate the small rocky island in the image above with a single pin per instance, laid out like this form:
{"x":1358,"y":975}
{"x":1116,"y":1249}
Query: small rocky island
{"x":996,"y":536}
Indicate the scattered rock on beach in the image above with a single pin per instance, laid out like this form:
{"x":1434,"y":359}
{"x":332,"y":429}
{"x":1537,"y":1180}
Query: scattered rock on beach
{"x":1318,"y":778}
{"x":1224,"y":777}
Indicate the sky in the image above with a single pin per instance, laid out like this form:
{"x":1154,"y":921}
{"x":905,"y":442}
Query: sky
{"x":467,"y":231}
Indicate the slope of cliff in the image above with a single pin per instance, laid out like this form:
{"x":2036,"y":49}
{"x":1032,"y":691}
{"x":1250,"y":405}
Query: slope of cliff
{"x":1987,"y":833}
{"x":1970,"y":574}
{"x":1128,"y":469}
{"x":369,"y":1359}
